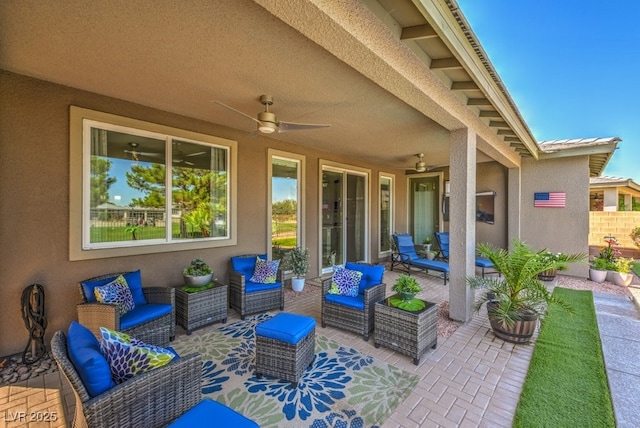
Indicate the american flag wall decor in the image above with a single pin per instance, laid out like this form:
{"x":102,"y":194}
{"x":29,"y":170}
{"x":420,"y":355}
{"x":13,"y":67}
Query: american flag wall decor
{"x":549,"y":200}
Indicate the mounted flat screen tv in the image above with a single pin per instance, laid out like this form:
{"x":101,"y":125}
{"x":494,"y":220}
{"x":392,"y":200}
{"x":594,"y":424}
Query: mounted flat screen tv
{"x":485,"y":207}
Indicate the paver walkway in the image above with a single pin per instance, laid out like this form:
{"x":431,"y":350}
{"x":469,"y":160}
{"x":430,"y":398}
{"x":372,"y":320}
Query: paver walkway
{"x":472,"y":379}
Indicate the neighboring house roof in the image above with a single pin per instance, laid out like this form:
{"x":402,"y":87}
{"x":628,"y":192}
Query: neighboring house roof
{"x":599,"y":150}
{"x":625,"y":185}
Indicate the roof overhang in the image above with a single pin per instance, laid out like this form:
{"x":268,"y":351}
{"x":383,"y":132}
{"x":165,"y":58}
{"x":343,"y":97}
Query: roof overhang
{"x":599,"y":151}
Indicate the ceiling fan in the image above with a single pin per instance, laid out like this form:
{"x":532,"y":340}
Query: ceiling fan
{"x":421,"y":165}
{"x":135,"y":153}
{"x":180,"y":157}
{"x":268,"y":122}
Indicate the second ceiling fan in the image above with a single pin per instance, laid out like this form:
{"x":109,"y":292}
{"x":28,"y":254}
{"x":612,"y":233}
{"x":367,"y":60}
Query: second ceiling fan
{"x":269,"y":123}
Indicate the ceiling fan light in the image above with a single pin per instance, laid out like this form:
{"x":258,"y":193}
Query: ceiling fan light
{"x":266,"y":128}
{"x":421,"y":167}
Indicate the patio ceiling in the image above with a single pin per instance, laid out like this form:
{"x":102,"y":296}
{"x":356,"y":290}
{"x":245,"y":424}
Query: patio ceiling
{"x":309,"y":57}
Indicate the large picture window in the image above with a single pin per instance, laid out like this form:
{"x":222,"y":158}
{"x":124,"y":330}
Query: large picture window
{"x":150,"y":188}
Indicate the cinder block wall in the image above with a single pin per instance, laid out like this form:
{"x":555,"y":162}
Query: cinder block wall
{"x":615,"y":223}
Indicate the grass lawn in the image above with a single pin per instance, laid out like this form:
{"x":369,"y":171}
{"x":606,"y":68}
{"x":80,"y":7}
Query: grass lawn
{"x":636,"y":268}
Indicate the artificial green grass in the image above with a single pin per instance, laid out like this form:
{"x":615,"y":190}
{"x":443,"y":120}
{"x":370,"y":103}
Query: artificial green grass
{"x":636,"y":268}
{"x":566,"y":384}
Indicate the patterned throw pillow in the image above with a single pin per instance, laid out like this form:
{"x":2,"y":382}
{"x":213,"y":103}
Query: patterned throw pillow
{"x":128,"y":356}
{"x":265,"y":271}
{"x":116,"y":293}
{"x":345,"y":282}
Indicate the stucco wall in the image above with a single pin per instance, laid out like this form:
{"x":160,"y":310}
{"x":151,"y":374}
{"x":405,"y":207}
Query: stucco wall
{"x":558,"y":229}
{"x":34,"y":198}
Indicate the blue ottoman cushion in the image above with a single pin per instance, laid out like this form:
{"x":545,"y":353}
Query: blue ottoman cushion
{"x":286,"y":327}
{"x":210,"y":413}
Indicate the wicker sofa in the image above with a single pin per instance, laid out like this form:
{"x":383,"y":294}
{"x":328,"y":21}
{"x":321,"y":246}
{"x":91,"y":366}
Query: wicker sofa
{"x":153,"y":320}
{"x":247,"y":297}
{"x":355,"y":313}
{"x":151,"y":399}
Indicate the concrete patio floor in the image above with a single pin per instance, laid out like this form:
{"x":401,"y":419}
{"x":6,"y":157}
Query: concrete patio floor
{"x":471,"y":379}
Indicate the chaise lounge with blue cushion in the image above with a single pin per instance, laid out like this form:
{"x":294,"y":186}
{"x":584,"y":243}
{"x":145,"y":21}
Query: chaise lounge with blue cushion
{"x":406,"y":256}
{"x":264,"y":293}
{"x":353,"y":311}
{"x":152,"y":318}
{"x":442,"y":238}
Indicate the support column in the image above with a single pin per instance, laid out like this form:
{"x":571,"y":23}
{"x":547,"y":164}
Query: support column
{"x":628,"y":202}
{"x":514,"y":201}
{"x":610,"y":199}
{"x":462,"y":223}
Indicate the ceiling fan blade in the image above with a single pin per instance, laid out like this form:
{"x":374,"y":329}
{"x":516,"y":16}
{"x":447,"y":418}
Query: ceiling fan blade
{"x":196,"y":154}
{"x":290,"y":126}
{"x":237,"y":111}
{"x":147,"y":154}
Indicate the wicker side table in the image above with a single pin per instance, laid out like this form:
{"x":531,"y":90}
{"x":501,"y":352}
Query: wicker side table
{"x":410,"y":333}
{"x":201,"y":308}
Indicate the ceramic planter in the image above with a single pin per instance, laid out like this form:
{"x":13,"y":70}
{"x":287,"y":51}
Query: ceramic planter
{"x":297,"y":283}
{"x":622,"y":279}
{"x":197,"y":281}
{"x":598,"y":276}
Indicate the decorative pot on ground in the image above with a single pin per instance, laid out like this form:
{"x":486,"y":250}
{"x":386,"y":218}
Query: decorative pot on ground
{"x":548,"y":275}
{"x":598,"y":276}
{"x":426,"y":247}
{"x":431,"y":255}
{"x":520,"y":332}
{"x":622,"y":279}
{"x":297,"y":283}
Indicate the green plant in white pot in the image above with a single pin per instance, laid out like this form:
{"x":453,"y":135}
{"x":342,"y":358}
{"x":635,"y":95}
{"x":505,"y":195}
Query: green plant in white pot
{"x":298,"y":261}
{"x":198,"y":273}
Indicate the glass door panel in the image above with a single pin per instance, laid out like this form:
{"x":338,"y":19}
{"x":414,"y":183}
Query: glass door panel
{"x":332,"y":218}
{"x":424,"y":208}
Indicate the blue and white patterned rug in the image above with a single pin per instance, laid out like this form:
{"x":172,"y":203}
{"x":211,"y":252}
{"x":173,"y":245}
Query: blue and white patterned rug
{"x":344,"y":388}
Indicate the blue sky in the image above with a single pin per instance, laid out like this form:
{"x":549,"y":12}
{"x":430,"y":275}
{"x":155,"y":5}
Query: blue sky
{"x":571,"y":66}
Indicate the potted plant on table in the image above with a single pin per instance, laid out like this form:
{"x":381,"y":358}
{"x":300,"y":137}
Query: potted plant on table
{"x":426,"y":244}
{"x":517,"y":299}
{"x":406,"y":287}
{"x":197,"y":274}
{"x":298,"y":261}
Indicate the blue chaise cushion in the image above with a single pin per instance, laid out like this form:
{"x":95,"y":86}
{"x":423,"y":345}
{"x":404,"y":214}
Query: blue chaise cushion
{"x":92,"y":367}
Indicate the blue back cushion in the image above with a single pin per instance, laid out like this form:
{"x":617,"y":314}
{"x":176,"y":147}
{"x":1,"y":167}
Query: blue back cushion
{"x":371,"y":274}
{"x":246,"y":264}
{"x":404,"y":243}
{"x":134,"y":280}
{"x":92,"y":367}
{"x":443,"y":242}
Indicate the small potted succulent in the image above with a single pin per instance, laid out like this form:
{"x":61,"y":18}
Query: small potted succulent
{"x":406,"y":287}
{"x":197,"y":274}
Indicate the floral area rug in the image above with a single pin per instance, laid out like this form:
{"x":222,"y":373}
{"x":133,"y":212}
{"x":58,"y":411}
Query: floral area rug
{"x":344,"y":388}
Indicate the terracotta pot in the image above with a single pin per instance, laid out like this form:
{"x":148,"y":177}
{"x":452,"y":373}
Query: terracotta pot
{"x":598,"y":276}
{"x":519,"y":333}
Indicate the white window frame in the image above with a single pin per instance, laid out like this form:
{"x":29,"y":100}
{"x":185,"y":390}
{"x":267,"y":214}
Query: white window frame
{"x":392,"y":184}
{"x":79,"y":182}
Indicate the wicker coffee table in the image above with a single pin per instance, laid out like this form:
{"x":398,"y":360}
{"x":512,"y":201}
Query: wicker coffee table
{"x":201,"y":308}
{"x":410,"y":333}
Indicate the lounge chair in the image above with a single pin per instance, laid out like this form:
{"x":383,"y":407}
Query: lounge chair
{"x":406,"y":256}
{"x":442,"y":238}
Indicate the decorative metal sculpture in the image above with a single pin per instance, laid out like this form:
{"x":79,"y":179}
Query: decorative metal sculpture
{"x":35,"y":321}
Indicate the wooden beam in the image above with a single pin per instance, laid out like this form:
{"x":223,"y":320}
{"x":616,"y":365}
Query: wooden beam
{"x":478,"y":102}
{"x":489,"y":113}
{"x":445,"y":64}
{"x":498,"y":124}
{"x":506,"y":132}
{"x":465,"y":86}
{"x":417,"y":32}
{"x":513,"y":139}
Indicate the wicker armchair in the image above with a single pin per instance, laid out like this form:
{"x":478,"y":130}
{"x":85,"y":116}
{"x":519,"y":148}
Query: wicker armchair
{"x":348,"y":316}
{"x":152,"y":399}
{"x":249,"y":298}
{"x":158,"y":330}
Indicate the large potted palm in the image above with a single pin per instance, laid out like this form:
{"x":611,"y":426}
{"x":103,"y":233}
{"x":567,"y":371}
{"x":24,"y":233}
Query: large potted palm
{"x":517,"y":299}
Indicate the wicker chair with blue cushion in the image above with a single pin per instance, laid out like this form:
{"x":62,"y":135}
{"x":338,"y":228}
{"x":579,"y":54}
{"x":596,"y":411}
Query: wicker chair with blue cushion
{"x":354,"y":313}
{"x":151,"y":320}
{"x":250,"y":297}
{"x":151,"y":399}
{"x":442,"y":238}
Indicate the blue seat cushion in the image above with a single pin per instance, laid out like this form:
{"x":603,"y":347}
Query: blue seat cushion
{"x":209,"y":413}
{"x":252,"y":287}
{"x":134,"y":280}
{"x":353,"y":302}
{"x":485,"y":263}
{"x":431,"y":264}
{"x":286,"y":327}
{"x":371,"y":274}
{"x":92,"y":367}
{"x":142,"y":314}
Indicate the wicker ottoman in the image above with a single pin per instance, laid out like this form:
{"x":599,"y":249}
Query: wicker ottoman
{"x":285,"y":346}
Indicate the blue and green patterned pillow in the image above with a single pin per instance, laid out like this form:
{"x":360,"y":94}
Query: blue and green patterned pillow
{"x":128,"y":356}
{"x":345,"y":282}
{"x":116,"y":293}
{"x":265,"y":271}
